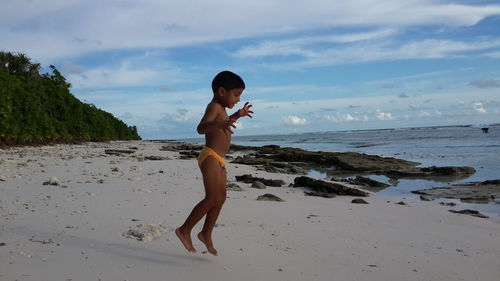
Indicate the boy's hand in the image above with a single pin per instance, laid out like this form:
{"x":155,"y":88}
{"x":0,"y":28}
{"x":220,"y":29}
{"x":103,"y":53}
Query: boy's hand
{"x":226,"y":125}
{"x":245,"y":111}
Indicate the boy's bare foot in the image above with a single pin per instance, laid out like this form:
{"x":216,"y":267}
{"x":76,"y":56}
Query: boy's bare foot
{"x":208,"y":242}
{"x":186,"y":240}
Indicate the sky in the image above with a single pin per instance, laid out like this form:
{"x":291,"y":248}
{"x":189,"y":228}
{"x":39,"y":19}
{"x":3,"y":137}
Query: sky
{"x":309,"y":66}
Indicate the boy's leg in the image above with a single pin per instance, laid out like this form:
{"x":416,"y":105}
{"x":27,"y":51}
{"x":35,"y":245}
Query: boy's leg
{"x":205,"y":235}
{"x":211,"y":181}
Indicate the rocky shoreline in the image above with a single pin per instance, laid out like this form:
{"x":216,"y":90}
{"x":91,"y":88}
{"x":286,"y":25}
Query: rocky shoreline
{"x":276,"y":159}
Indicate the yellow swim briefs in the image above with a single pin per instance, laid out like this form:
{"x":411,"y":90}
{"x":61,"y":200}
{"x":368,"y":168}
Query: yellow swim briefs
{"x":206,"y":152}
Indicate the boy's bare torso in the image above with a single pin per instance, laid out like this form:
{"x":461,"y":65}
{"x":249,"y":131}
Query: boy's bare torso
{"x":219,"y":140}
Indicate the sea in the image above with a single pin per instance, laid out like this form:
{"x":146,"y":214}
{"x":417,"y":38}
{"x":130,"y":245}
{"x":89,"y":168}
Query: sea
{"x":465,"y":145}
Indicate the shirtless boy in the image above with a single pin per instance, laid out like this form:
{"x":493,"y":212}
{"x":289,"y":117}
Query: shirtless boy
{"x":216,"y":126}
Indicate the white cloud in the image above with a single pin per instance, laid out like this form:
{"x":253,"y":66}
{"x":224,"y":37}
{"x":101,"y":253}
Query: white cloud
{"x":294,"y":120}
{"x":299,"y":46}
{"x":348,"y":117}
{"x":424,"y":114}
{"x":383,"y":115}
{"x":113,"y":77}
{"x":478,"y":107}
{"x":67,"y":28}
{"x":494,"y":55}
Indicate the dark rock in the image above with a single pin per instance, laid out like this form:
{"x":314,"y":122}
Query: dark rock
{"x":447,"y":204}
{"x":401,"y":203}
{"x":359,"y":201}
{"x":118,"y":152}
{"x":366,"y":183}
{"x":319,"y":194}
{"x":156,"y":158}
{"x":258,"y":185}
{"x":266,"y":157}
{"x":269,"y":197}
{"x":269,"y":182}
{"x":2,"y":244}
{"x":370,"y":182}
{"x":475,"y":192}
{"x":234,"y":187}
{"x":473,"y":213}
{"x":189,"y":154}
{"x":270,"y":165}
{"x":328,"y":187}
{"x":492,"y":182}
{"x":179,"y":146}
{"x":425,"y":198}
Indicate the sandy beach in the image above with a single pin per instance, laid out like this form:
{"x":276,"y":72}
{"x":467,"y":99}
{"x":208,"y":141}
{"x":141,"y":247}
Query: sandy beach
{"x":75,"y":212}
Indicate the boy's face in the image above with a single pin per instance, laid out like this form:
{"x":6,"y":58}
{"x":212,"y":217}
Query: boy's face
{"x":231,"y":97}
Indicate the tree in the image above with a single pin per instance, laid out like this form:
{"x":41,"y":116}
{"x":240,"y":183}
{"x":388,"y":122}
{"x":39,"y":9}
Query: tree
{"x":37,"y":108}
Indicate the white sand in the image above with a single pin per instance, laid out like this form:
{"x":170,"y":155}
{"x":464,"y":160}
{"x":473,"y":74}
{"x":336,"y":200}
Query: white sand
{"x":75,"y":231}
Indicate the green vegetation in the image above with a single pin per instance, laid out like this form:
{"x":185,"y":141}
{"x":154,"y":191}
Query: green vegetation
{"x":39,"y":108}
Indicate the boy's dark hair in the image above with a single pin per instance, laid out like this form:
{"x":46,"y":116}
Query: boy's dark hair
{"x":227,"y":80}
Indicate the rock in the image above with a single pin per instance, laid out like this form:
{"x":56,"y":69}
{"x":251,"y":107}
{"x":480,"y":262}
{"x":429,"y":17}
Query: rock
{"x":179,"y":146}
{"x":328,"y":187}
{"x":269,"y":182}
{"x":52,"y":181}
{"x":269,"y":197}
{"x":233,"y":187}
{"x":156,"y":158}
{"x":401,"y":203}
{"x":359,"y":201}
{"x":146,"y":232}
{"x":118,"y":152}
{"x":319,"y":194}
{"x":447,"y":204}
{"x":473,"y":213}
{"x":267,"y":157}
{"x":189,"y":154}
{"x":476,"y":192}
{"x":425,"y":198}
{"x":365,"y":183}
{"x":258,"y":185}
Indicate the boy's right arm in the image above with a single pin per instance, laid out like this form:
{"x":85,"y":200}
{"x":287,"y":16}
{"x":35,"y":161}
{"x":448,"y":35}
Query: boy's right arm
{"x":209,"y":121}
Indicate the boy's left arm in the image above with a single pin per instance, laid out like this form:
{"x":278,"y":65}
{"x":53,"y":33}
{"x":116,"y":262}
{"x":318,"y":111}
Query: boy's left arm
{"x":245,"y":111}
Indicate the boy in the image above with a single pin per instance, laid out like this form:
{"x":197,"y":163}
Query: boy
{"x":216,"y":126}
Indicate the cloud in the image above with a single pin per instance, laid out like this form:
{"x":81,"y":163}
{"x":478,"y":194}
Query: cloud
{"x":478,"y":107}
{"x":486,"y":83}
{"x":424,"y":114}
{"x":346,"y":118}
{"x":104,"y":77}
{"x":383,"y":115}
{"x":298,"y":46}
{"x":294,"y":120}
{"x":63,"y":29}
{"x":327,"y":54}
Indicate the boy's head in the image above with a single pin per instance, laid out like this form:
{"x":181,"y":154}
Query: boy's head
{"x":227,"y":80}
